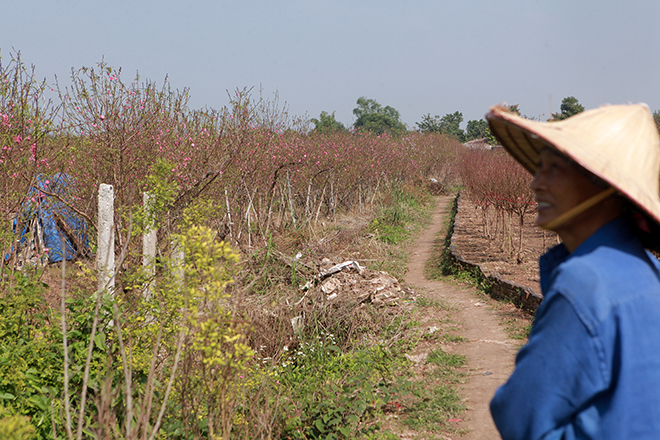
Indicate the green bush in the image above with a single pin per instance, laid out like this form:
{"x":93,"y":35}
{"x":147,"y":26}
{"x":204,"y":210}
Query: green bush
{"x":30,"y":358}
{"x":15,"y":427}
{"x":335,"y":395}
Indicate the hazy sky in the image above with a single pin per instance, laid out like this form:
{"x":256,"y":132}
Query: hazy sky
{"x":418,"y":56}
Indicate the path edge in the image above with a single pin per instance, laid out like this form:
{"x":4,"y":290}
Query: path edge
{"x":497,"y":287}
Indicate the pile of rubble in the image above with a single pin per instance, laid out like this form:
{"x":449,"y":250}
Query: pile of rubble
{"x":347,"y":286}
{"x":349,"y":280}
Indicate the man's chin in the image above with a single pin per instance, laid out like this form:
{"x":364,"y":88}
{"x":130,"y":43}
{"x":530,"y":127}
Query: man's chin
{"x":543,"y":220}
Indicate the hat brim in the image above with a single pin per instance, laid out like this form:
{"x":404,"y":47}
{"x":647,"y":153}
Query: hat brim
{"x":519,"y":138}
{"x":604,"y":141}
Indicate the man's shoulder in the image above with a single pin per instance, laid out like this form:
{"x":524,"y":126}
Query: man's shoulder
{"x":598,"y":283}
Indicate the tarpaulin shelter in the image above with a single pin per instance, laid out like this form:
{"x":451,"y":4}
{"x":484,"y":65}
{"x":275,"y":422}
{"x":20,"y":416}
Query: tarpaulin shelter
{"x":47,"y":228}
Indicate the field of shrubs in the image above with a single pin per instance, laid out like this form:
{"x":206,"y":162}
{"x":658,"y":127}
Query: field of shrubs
{"x":500,"y":188}
{"x":204,"y":347}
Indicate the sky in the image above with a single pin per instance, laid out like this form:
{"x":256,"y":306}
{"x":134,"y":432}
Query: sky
{"x":419,"y":56}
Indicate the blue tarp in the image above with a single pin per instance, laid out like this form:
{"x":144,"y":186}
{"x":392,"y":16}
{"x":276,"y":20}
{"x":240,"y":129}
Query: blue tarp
{"x":56,"y":221}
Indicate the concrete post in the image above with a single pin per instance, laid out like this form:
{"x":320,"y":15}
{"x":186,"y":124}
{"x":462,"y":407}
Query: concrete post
{"x":105,"y":253}
{"x":149,"y":241}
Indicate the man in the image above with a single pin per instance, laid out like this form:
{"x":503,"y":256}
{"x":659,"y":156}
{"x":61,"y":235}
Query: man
{"x":591,"y":368}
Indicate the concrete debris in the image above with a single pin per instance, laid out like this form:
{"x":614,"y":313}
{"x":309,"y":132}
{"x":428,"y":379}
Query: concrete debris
{"x":349,"y":281}
{"x":348,"y":265}
{"x":326,"y":264}
{"x":330,"y":285}
{"x":297,"y":323}
{"x":417,"y":359}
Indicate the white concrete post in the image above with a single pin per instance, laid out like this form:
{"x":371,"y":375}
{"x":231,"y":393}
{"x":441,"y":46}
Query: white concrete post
{"x":105,"y":253}
{"x":149,"y":241}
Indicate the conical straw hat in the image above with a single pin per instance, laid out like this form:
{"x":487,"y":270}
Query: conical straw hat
{"x":618,"y":143}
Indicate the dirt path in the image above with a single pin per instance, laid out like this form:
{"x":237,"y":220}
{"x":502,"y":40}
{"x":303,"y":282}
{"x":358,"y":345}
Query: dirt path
{"x":489,"y":351}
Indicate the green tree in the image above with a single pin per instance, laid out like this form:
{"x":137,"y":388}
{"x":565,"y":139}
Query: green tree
{"x":569,"y":107}
{"x":371,"y":116}
{"x":326,"y":123}
{"x":478,"y":129}
{"x":656,"y":118}
{"x":449,"y":125}
{"x":429,"y":124}
{"x":513,"y":108}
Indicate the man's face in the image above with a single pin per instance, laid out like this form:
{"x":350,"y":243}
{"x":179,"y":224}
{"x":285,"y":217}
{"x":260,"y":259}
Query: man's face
{"x":559,"y":186}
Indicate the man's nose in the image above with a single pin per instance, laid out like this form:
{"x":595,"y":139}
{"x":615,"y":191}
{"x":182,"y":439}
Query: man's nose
{"x":536,"y":181}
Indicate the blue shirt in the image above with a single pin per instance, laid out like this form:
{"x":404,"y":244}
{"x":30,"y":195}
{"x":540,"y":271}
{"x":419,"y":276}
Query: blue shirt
{"x":591,"y":368}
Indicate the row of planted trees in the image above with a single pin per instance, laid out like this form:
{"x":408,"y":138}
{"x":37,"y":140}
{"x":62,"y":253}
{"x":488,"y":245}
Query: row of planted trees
{"x":182,"y":359}
{"x":500,"y":189}
{"x":258,"y":165}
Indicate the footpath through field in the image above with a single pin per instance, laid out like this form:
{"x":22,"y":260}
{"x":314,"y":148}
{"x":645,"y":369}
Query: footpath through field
{"x":489,"y":350}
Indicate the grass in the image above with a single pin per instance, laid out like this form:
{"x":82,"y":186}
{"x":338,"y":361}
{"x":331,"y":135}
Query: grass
{"x":406,"y":213}
{"x":516,"y":329}
{"x":382,"y":436}
{"x":453,"y":339}
{"x":431,"y":400}
{"x":426,"y":403}
{"x":442,"y":359}
{"x":429,"y":408}
{"x":438,"y":304}
{"x":338,"y":379}
{"x":517,"y":325}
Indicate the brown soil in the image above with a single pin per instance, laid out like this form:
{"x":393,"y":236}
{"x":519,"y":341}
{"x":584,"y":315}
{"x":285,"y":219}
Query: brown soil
{"x":487,"y":345}
{"x":500,"y":254}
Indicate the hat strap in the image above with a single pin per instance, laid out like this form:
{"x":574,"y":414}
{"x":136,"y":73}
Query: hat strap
{"x":579,"y":209}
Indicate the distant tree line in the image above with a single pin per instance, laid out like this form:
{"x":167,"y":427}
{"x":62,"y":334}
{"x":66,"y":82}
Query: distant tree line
{"x":373,"y":117}
{"x":449,"y":125}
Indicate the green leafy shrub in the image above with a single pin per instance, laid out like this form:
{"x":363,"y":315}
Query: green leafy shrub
{"x":30,"y":358}
{"x":15,"y":427}
{"x":333,"y":394}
